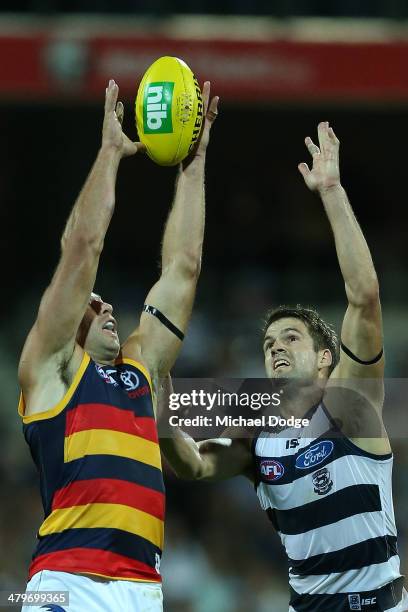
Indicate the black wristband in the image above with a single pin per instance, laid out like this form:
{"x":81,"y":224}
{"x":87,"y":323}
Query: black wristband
{"x":156,"y":313}
{"x":354,"y":358}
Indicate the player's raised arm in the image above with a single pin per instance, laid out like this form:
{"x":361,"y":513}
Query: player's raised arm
{"x":210,"y":460}
{"x":168,"y":305}
{"x":361,"y":335}
{"x":64,"y":303}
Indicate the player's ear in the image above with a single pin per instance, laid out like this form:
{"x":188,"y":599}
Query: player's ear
{"x":324,"y":358}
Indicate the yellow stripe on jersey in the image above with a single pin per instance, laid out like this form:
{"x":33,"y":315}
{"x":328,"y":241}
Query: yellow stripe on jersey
{"x":109,"y":442}
{"x":111,"y":516}
{"x":52,"y":412}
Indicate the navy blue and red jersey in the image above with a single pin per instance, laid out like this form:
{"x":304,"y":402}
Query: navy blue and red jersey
{"x":102,"y":489}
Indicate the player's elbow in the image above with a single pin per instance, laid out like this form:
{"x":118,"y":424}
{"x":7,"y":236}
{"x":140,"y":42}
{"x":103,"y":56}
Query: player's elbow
{"x":202,"y":472}
{"x":190,"y":469}
{"x":365,"y":293}
{"x":188,"y":472}
{"x":84,"y":243}
{"x":187,"y":265}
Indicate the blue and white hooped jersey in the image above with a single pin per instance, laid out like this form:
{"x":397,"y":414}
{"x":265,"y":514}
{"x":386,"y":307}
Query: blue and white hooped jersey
{"x":331,"y":504}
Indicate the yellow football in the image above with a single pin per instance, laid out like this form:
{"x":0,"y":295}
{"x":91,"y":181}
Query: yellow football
{"x":169,"y":111}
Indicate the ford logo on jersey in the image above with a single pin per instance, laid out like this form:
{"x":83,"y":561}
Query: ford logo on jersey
{"x":271,"y":470}
{"x":315,"y":455}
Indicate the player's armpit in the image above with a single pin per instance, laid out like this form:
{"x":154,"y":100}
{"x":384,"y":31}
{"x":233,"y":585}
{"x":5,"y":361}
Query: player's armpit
{"x":61,"y":309}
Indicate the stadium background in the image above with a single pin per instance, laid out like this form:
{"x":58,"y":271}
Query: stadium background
{"x":267,"y":239}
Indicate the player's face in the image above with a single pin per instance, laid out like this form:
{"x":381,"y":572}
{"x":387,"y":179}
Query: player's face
{"x":97,"y":333}
{"x":289,"y":350}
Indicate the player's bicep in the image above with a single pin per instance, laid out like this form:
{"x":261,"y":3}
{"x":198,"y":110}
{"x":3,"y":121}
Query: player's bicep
{"x":357,"y":381}
{"x":173,"y":295}
{"x":361,"y":342}
{"x":63,"y":305}
{"x":163,"y":323}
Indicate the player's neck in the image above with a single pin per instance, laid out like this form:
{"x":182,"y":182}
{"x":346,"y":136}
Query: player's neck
{"x":297,"y":400}
{"x":102,"y":360}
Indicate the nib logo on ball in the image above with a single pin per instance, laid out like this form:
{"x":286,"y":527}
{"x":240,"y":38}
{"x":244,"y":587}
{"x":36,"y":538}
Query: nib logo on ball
{"x":157,"y":108}
{"x":169,"y":111}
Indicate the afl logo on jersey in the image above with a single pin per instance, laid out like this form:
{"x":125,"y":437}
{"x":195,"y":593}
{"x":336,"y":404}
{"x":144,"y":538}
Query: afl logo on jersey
{"x":315,"y":455}
{"x":106,"y":375}
{"x":271,"y":470}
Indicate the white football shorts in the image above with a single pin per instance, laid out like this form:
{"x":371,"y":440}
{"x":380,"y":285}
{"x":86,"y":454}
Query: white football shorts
{"x":94,"y":594}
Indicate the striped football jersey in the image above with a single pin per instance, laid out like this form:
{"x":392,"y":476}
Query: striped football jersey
{"x":101,"y":480}
{"x":331,"y":504}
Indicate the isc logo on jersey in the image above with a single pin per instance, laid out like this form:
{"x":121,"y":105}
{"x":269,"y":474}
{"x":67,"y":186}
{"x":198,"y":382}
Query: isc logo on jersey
{"x":356,"y":601}
{"x":271,"y":469}
{"x":157,"y":108}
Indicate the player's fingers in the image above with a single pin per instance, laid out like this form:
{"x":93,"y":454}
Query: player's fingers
{"x":120,"y":111}
{"x":333,"y":136}
{"x":111,"y":96}
{"x":213,"y":110}
{"x":304,"y":169}
{"x":311,"y":147}
{"x":206,"y":96}
{"x":322,"y":132}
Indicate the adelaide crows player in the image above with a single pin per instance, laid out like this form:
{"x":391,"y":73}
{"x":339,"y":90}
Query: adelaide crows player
{"x":326,"y":488}
{"x":87,"y":401}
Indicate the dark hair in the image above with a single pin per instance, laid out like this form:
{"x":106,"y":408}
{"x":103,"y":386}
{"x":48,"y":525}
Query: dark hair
{"x":322,"y":333}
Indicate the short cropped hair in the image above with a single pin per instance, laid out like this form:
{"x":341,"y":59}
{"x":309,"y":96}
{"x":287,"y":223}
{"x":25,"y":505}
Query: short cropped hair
{"x":322,"y":333}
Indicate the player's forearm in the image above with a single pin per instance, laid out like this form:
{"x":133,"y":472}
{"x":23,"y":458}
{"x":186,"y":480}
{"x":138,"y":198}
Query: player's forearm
{"x":183,"y":454}
{"x":92,"y":212}
{"x":184,"y":233}
{"x":353,"y":253}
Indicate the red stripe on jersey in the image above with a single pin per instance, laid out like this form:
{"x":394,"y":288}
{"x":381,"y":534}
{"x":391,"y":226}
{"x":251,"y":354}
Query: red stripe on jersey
{"x":110,"y":491}
{"x":103,"y":416}
{"x":96,"y":561}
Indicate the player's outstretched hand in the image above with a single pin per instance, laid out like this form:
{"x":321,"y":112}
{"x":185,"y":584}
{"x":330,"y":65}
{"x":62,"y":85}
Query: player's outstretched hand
{"x":112,"y":133}
{"x":210,"y":110}
{"x":325,"y":172}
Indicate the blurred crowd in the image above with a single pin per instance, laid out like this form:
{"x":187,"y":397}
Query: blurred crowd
{"x":267,"y":242}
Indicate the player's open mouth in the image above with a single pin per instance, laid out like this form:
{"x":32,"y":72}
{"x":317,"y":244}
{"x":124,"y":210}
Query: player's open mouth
{"x":110,"y":327}
{"x":279,"y":363}
{"x":110,"y":333}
